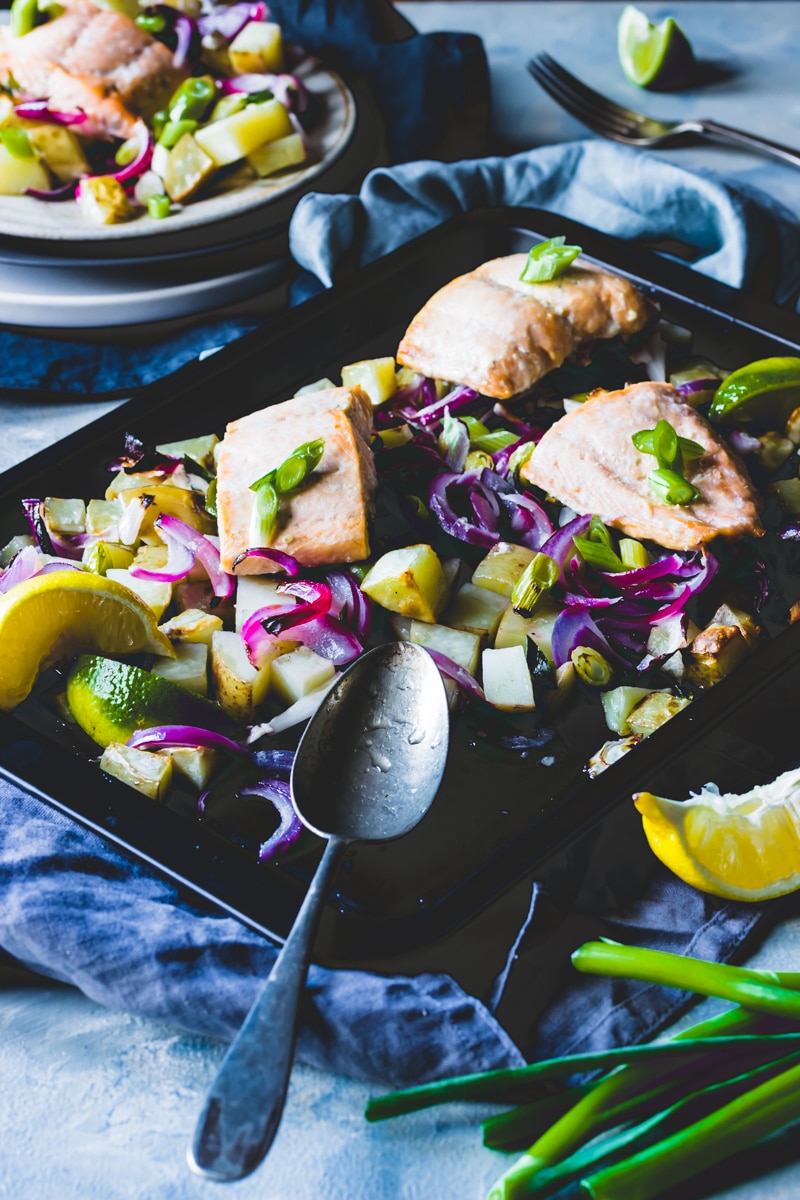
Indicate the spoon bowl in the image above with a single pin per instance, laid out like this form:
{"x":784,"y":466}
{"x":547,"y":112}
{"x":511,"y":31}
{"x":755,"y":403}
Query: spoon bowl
{"x":367,"y":768}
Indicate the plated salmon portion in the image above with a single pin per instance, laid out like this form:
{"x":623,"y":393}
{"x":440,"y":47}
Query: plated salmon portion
{"x":326,"y":519}
{"x":97,"y":61}
{"x":588,"y":461}
{"x":491,"y":331}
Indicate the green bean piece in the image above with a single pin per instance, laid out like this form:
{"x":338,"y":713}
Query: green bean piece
{"x":23,"y":17}
{"x":159,"y":207}
{"x":17,"y":143}
{"x":173,"y":131}
{"x":540,"y":575}
{"x":192,"y":99}
{"x":760,"y":991}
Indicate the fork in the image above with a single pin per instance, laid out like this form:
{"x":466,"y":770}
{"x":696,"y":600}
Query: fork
{"x":635,"y":129}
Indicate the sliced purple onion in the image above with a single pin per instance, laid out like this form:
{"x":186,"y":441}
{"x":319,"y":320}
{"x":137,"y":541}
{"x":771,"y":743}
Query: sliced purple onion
{"x":183,"y":735}
{"x":38,"y":110}
{"x":32,"y":511}
{"x":279,"y":793}
{"x":527,"y":432}
{"x":58,"y":564}
{"x":72,"y":546}
{"x":743,"y":443}
{"x":574,"y":627}
{"x":180,"y":559}
{"x":26,"y":564}
{"x":284,"y":563}
{"x":330,"y":639}
{"x":460,"y":527}
{"x":693,"y":386}
{"x":560,"y":546}
{"x":202,"y":548}
{"x":314,"y":601}
{"x":288,"y":89}
{"x":229,"y":20}
{"x":529,"y":521}
{"x":133,"y":454}
{"x":66,"y":191}
{"x":349,"y":603}
{"x":454,"y":401}
{"x":185,"y":30}
{"x":144,"y":152}
{"x":639,"y":576}
{"x":458,"y":674}
{"x":501,"y":457}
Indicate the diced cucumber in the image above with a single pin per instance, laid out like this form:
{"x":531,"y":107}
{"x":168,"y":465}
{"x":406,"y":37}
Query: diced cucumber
{"x":618,"y":703}
{"x":507,"y":681}
{"x":458,"y":644}
{"x":502,"y":567}
{"x":299,"y":673}
{"x":192,"y":625}
{"x":409,"y":581}
{"x":477,"y":610}
{"x":189,"y":667}
{"x":276,"y":156}
{"x":257,"y":48}
{"x":237,"y":136}
{"x":149,"y":773}
{"x":156,"y":595}
{"x":377,"y":377}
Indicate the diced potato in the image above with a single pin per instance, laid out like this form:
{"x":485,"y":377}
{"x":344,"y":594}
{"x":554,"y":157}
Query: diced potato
{"x":299,"y":673}
{"x":668,"y":636}
{"x":727,"y":615}
{"x":192,"y":625}
{"x":376,"y":376}
{"x":12,"y":548}
{"x":792,"y":430}
{"x":199,"y":450}
{"x":409,"y":581}
{"x":502,"y":567}
{"x":513,"y":630}
{"x":457,"y":644}
{"x":240,"y":687}
{"x":507,"y":681}
{"x":566,"y":682}
{"x":237,"y":136}
{"x":155,"y":558}
{"x":541,"y":627}
{"x":276,"y":156}
{"x":189,"y":667}
{"x":7,"y":114}
{"x":195,"y":763}
{"x":654,"y":711}
{"x":188,"y":167}
{"x":156,"y":595}
{"x":149,"y":773}
{"x":258,"y":47}
{"x":775,"y":449}
{"x":618,"y":703}
{"x":103,"y":199}
{"x":226,"y":106}
{"x":788,"y":492}
{"x":177,"y":502}
{"x":100,"y":557}
{"x":397,"y":436}
{"x":19,"y":174}
{"x":476,"y":609}
{"x":61,"y":151}
{"x":254,"y":592}
{"x":714,"y":653}
{"x":102,"y":518}
{"x":64,"y":516}
{"x":611,"y":752}
{"x":451,"y":567}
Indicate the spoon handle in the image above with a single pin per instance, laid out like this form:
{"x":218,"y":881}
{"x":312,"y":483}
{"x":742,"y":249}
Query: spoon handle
{"x":243,"y":1108}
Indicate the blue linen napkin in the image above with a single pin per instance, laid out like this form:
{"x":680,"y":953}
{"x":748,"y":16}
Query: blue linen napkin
{"x":73,"y":908}
{"x":441,"y":108}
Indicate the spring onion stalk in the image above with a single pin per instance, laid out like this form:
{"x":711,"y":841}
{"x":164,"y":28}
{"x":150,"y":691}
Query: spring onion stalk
{"x":520,"y":456}
{"x":499,"y":1085}
{"x":478,"y":460}
{"x":498,"y":439}
{"x":591,"y":667}
{"x":547,"y":260}
{"x":23,"y":17}
{"x":672,"y":487}
{"x":744,"y":1121}
{"x":269,"y":489}
{"x":192,"y":99}
{"x":759,"y":991}
{"x":518,"y":1127}
{"x":633,"y":554}
{"x":540,"y":575}
{"x":152,"y":23}
{"x":670,"y":450}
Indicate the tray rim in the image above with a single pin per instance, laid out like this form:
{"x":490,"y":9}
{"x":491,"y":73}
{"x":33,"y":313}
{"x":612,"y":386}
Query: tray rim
{"x":747,"y":310}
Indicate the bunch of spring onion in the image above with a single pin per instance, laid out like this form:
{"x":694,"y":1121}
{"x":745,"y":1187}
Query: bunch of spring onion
{"x":656,"y":1115}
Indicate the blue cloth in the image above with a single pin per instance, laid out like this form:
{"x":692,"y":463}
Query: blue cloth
{"x":432,"y":92}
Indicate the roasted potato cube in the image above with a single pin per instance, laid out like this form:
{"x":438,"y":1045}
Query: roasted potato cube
{"x":195,"y":763}
{"x":714,"y":653}
{"x":64,"y":516}
{"x":409,"y":581}
{"x":188,"y":168}
{"x":237,"y":136}
{"x":655,"y":710}
{"x":376,"y":376}
{"x":258,"y":47}
{"x":240,"y":686}
{"x":276,"y":156}
{"x":104,"y":200}
{"x":507,"y":681}
{"x":149,"y":773}
{"x":476,"y":609}
{"x":189,"y":667}
{"x":619,"y":703}
{"x":502,"y":567}
{"x":61,"y":151}
{"x":460,"y":645}
{"x":19,"y":174}
{"x":299,"y":673}
{"x":156,"y":595}
{"x":192,"y":625}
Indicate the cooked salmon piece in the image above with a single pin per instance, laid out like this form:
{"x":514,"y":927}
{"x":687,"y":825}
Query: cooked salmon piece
{"x":588,"y":461}
{"x":491,"y":331}
{"x":326,"y":520}
{"x":99,"y":62}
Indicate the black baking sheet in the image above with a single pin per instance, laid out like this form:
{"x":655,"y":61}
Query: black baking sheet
{"x":495,"y":820}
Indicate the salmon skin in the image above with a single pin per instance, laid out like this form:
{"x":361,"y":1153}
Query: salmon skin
{"x":588,"y":461}
{"x":491,"y":331}
{"x":98,"y":62}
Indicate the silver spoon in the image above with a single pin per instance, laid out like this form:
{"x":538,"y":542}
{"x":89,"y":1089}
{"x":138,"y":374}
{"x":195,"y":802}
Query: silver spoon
{"x":367,"y":769}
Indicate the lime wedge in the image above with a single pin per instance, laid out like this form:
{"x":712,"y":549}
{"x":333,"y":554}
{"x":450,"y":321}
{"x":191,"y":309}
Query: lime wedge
{"x":762,"y":395}
{"x":653,"y":56}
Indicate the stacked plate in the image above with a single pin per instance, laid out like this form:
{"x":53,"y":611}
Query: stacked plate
{"x":59,"y":271}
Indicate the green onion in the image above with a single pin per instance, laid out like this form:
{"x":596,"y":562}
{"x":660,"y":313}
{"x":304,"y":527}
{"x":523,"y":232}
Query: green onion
{"x":192,"y":99}
{"x":520,"y":456}
{"x":760,"y":991}
{"x":450,"y":440}
{"x":633,"y":554}
{"x":151,"y":22}
{"x":173,"y":131}
{"x":290,"y":474}
{"x":211,"y":498}
{"x":23,"y":17}
{"x":517,"y":1128}
{"x":17,"y":143}
{"x":671,"y":487}
{"x":591,"y":666}
{"x":159,"y":207}
{"x":539,"y":576}
{"x":598,"y":555}
{"x":475,"y":428}
{"x":264,"y":517}
{"x":476,"y":460}
{"x":278,"y":482}
{"x":548,"y":259}
{"x":259,"y":97}
{"x":498,"y":439}
{"x":158,"y":121}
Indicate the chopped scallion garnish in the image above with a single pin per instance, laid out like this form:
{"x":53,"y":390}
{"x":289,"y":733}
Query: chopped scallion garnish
{"x":547,"y":260}
{"x":539,"y":576}
{"x":496,"y":440}
{"x":670,"y":450}
{"x":672,"y":487}
{"x":633,"y":554}
{"x":159,"y":207}
{"x":598,"y":554}
{"x":520,"y":456}
{"x":269,"y":489}
{"x":591,"y":667}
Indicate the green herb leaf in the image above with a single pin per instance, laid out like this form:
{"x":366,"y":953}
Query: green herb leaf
{"x":547,"y":260}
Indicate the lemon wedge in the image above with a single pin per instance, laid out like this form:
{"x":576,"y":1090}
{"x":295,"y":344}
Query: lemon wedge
{"x":54,"y":616}
{"x":658,"y":57}
{"x":742,"y":847}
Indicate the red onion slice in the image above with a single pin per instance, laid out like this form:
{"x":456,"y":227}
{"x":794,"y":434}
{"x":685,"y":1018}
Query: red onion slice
{"x":284,"y":563}
{"x":162,"y":736}
{"x":279,"y":793}
{"x":203,"y":548}
{"x":458,"y":674}
{"x":26,"y":564}
{"x":180,"y":559}
{"x":38,"y":110}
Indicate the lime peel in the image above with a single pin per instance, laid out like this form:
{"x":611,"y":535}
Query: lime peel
{"x":658,"y":57}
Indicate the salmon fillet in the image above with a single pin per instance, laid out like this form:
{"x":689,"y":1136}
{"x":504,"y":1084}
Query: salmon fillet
{"x":99,"y":62}
{"x":588,"y":461}
{"x":491,"y":331}
{"x":324,"y":521}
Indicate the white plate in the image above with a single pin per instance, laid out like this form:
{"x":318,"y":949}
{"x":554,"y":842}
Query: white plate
{"x":25,"y":217}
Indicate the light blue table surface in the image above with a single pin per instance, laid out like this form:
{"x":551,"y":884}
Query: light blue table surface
{"x":97,"y":1105}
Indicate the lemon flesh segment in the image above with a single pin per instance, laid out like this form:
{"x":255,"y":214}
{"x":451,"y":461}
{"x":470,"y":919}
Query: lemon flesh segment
{"x":658,"y":57}
{"x":762,"y":394}
{"x":52,"y":617}
{"x":743,"y":847}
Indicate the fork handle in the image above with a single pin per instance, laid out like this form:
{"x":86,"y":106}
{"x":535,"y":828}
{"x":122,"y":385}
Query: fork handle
{"x":737,"y":137}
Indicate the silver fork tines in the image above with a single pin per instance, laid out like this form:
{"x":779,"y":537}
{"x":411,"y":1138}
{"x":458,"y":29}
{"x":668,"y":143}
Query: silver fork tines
{"x":620,"y":124}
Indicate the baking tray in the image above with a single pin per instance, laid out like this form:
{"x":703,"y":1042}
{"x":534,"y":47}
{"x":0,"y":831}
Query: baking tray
{"x":497,"y":820}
